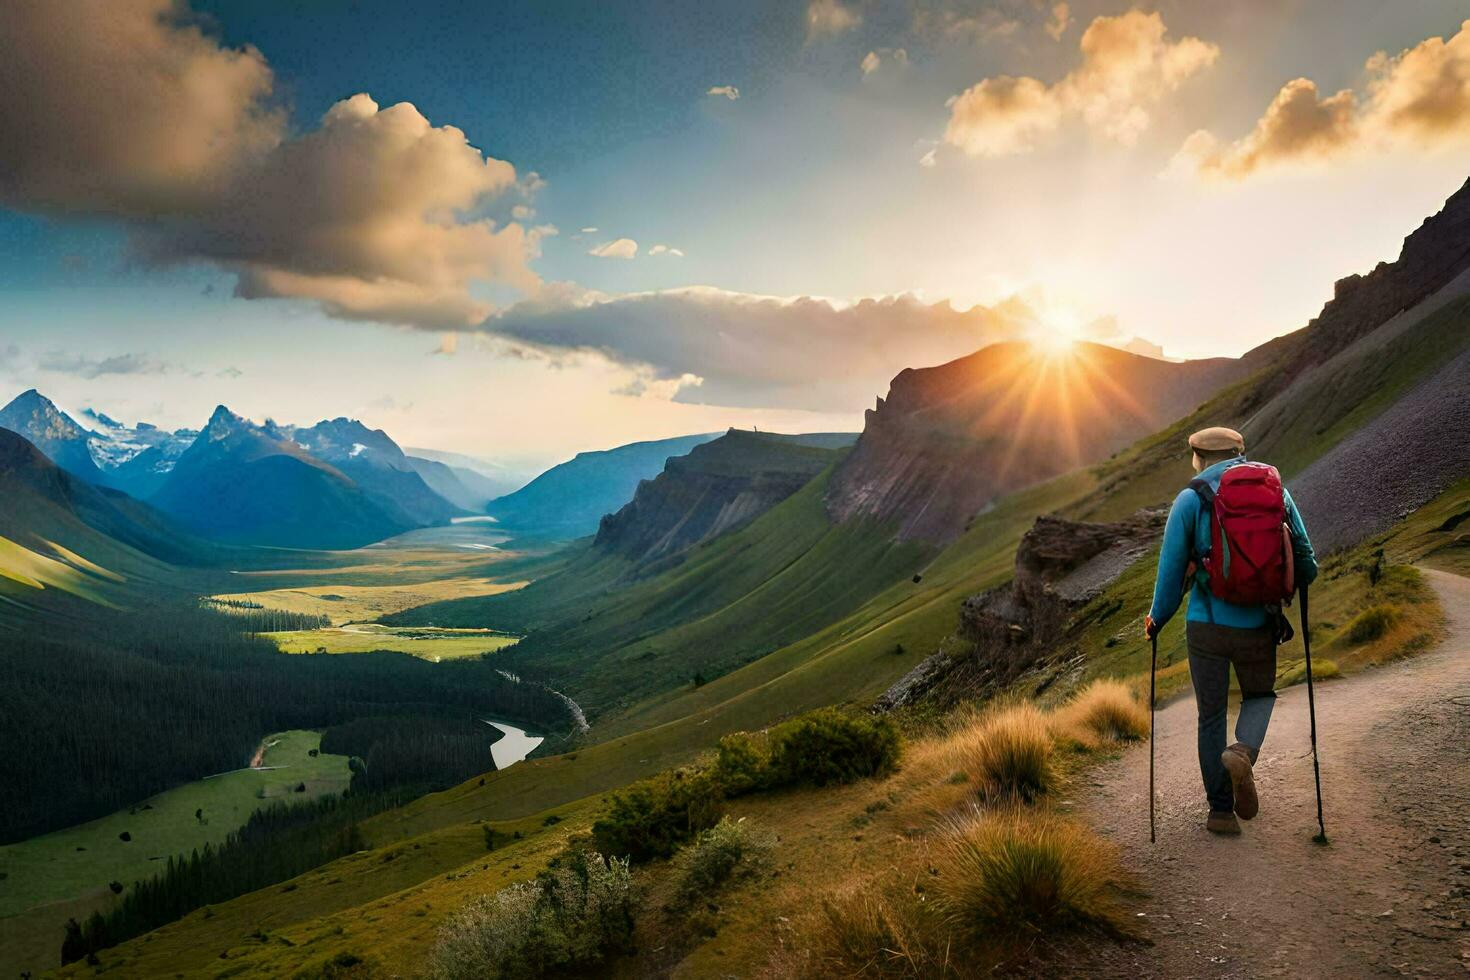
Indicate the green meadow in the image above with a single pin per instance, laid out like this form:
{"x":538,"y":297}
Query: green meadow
{"x":425,"y":642}
{"x":84,"y":859}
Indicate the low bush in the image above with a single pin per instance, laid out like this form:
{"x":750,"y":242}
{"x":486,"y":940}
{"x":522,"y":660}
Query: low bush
{"x":651,"y":818}
{"x":1105,"y":711}
{"x":829,"y":746}
{"x":716,"y":856}
{"x":570,"y":918}
{"x":1015,"y":871}
{"x":1008,"y":752}
{"x":743,"y":763}
{"x":1371,"y":624}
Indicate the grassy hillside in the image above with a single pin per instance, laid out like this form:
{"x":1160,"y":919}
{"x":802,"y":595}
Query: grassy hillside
{"x":612,"y":643}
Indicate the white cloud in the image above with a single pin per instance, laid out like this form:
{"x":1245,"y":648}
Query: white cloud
{"x":1128,"y":65}
{"x":870,"y":62}
{"x":589,"y":231}
{"x":803,"y":352}
{"x":1417,"y":99}
{"x":618,"y":248}
{"x":143,"y":118}
{"x":677,"y":253}
{"x":448,"y":345}
{"x":65,"y":362}
{"x":728,"y":91}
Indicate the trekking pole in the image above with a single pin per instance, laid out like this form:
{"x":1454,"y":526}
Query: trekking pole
{"x":1153,"y":668}
{"x":1321,"y":837}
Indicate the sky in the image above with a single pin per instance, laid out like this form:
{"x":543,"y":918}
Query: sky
{"x":523,"y":230}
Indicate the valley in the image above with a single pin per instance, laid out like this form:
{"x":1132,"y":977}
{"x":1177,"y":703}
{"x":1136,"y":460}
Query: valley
{"x":294,"y":701}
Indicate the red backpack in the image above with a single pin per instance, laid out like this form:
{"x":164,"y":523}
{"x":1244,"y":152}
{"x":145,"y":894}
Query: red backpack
{"x":1250,"y":561}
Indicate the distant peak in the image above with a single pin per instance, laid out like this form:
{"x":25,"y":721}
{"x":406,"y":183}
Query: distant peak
{"x":222,"y":423}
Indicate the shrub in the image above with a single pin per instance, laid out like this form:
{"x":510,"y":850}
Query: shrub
{"x":570,"y":918}
{"x":1105,"y":711}
{"x":1014,"y":871}
{"x":1008,"y":753}
{"x":715,"y":857}
{"x":827,"y":746}
{"x":1371,"y":623}
{"x":742,"y":764}
{"x":651,"y":818}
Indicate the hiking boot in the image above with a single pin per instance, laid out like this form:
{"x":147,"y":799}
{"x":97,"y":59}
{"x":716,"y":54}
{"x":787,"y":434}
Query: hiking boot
{"x":1237,"y":762}
{"x":1222,"y":822}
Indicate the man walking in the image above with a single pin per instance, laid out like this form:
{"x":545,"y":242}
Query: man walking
{"x":1238,"y":545}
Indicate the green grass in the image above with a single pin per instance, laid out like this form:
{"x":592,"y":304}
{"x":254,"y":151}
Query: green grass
{"x":85,"y":858}
{"x":425,"y":642}
{"x":66,"y":873}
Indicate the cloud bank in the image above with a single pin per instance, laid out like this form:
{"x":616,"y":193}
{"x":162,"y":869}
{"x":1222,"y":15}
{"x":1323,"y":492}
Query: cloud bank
{"x":126,"y":109}
{"x":1128,"y":65}
{"x":723,"y":348}
{"x":1419,"y":98}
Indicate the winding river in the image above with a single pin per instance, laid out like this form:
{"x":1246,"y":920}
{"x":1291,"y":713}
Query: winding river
{"x":514,"y":746}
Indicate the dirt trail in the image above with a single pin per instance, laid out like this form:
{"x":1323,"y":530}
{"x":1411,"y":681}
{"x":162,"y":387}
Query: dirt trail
{"x":1389,"y":897}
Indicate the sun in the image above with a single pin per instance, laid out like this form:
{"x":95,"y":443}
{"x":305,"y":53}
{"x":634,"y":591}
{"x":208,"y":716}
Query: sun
{"x":1055,"y":333}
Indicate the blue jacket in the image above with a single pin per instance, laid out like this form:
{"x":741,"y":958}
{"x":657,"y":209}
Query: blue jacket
{"x":1189,"y":524}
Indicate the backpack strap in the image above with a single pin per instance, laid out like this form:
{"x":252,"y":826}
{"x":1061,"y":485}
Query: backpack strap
{"x":1206,"y":495}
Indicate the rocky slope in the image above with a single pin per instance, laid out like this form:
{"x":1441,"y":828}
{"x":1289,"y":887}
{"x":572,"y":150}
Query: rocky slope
{"x":949,"y":439}
{"x":1432,"y":256}
{"x":718,"y":487}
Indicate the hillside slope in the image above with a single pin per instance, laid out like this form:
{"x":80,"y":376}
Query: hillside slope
{"x":718,"y":487}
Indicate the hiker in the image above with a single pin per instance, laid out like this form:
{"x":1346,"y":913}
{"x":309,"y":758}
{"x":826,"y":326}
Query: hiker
{"x":1220,"y":633}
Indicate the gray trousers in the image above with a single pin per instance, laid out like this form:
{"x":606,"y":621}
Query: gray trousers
{"x":1212,"y":651}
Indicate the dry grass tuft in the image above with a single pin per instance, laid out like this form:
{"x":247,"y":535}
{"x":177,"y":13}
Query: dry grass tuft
{"x":1105,"y":711}
{"x":862,"y":932}
{"x":1007,"y":752}
{"x":1015,"y":871}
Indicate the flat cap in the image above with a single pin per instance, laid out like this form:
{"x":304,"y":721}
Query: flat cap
{"x":1218,"y":437}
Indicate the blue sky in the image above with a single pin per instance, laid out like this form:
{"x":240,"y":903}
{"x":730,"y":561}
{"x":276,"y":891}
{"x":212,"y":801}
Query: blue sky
{"x":869,"y":154}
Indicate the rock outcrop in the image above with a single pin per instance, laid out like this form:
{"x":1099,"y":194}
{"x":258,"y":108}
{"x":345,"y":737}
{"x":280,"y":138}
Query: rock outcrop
{"x":1061,"y":566}
{"x":949,"y":439}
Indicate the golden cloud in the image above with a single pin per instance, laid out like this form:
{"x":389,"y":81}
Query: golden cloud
{"x":1128,"y":65}
{"x":126,"y":109}
{"x":1419,"y":98}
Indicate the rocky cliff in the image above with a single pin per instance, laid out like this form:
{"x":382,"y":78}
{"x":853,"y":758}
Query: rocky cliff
{"x":718,"y":487}
{"x":1061,"y":566}
{"x":949,"y":439}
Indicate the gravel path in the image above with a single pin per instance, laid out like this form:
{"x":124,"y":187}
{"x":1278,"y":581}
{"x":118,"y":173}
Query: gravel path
{"x":1390,"y":896}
